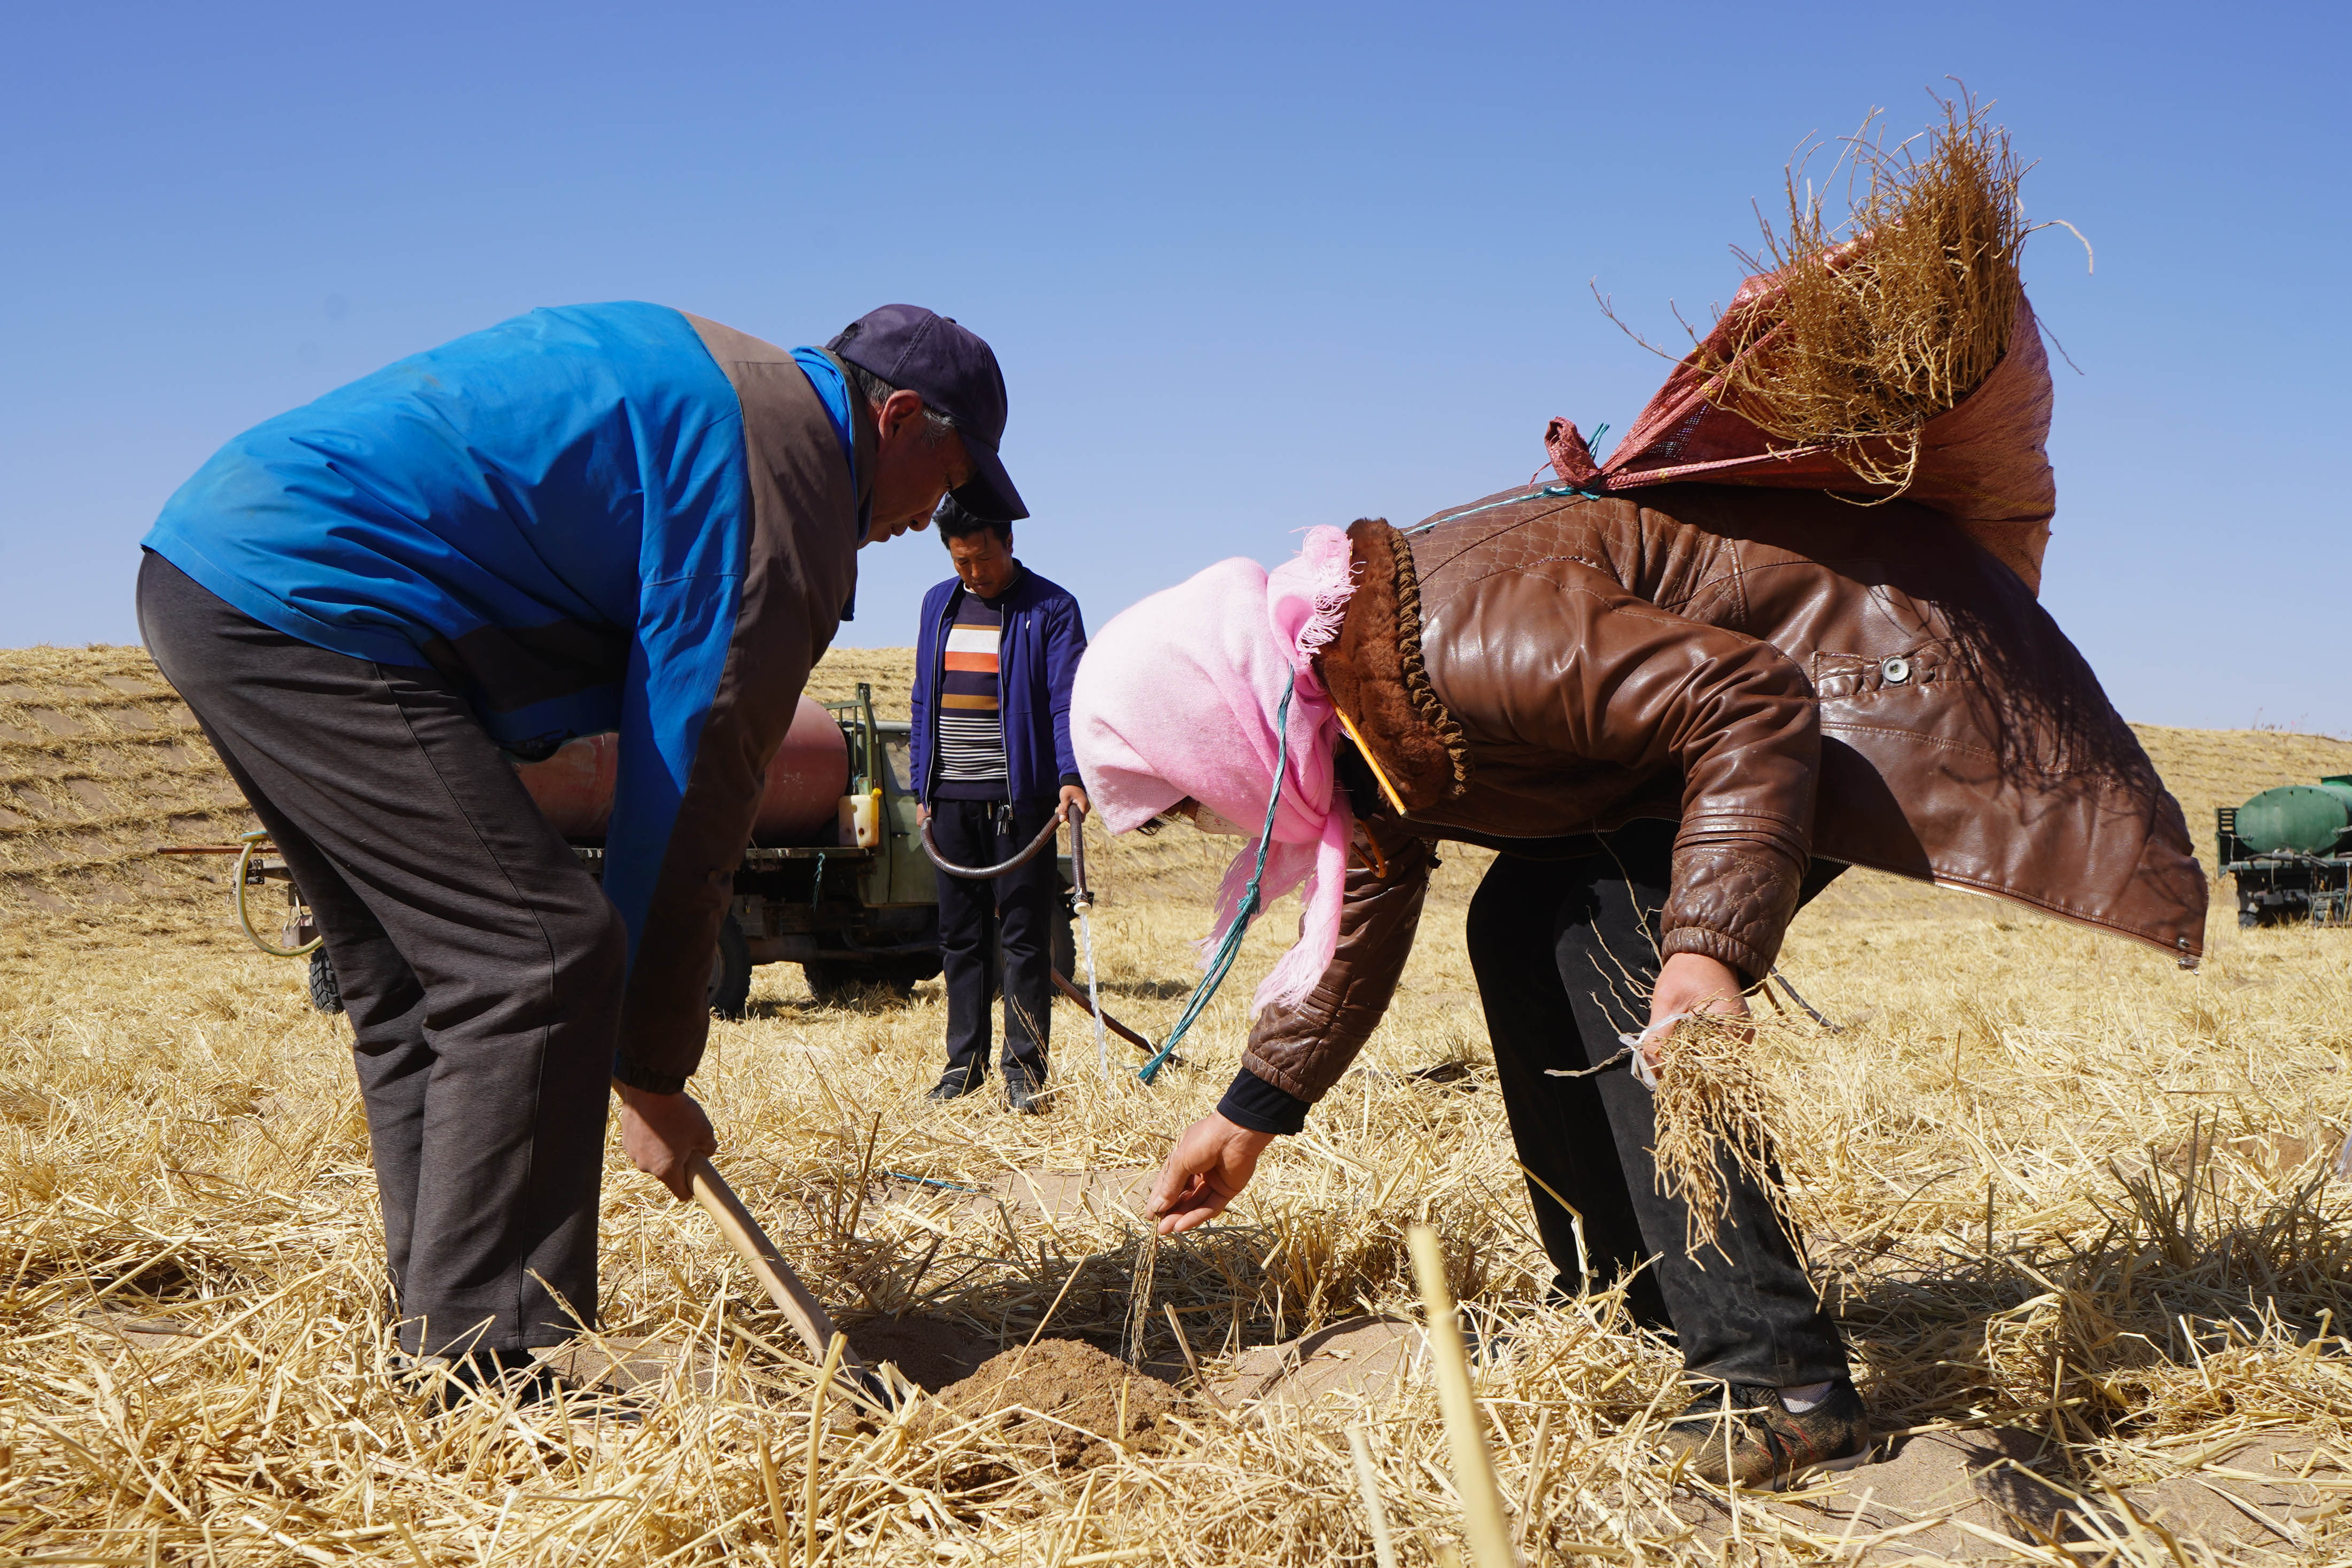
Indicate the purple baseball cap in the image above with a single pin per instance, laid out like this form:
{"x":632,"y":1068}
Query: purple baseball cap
{"x":953,"y":371}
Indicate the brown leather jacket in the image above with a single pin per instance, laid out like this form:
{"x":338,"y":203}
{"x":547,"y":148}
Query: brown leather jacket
{"x":1787,"y":675}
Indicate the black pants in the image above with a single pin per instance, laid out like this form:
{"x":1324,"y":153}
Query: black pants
{"x":1016,"y":910}
{"x":1566,"y":954}
{"x":480,"y":966}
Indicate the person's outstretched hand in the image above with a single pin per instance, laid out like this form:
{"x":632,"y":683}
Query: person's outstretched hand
{"x":664,"y":1135}
{"x":1207,"y":1170}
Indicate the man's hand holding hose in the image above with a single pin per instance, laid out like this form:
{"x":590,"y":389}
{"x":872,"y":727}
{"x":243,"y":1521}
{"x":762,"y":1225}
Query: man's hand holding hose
{"x":1215,"y":1158}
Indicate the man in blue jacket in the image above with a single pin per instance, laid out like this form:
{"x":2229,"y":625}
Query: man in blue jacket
{"x":993,"y":658}
{"x":596,"y":518}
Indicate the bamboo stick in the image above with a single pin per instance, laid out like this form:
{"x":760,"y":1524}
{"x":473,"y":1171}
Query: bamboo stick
{"x":1367,"y":1481}
{"x":1484,"y":1522}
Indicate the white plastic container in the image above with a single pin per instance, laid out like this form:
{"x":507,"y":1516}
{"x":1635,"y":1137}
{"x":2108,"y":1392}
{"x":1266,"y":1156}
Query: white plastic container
{"x":861,"y":819}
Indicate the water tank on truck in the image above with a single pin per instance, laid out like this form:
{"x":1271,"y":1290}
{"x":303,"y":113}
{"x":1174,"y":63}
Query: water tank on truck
{"x":2287,"y":849}
{"x":807,"y":779}
{"x":834,"y":878}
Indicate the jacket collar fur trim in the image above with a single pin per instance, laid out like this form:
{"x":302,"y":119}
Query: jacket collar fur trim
{"x":1374,"y":671}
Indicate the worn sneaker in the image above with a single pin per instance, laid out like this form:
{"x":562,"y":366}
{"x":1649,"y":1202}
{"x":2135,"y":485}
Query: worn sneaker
{"x":446,"y":1382}
{"x":1024,"y":1093}
{"x":1740,"y":1433}
{"x":955,"y":1085}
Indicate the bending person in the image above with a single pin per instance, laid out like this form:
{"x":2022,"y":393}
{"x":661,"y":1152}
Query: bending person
{"x":1674,"y":720}
{"x":598,"y":518}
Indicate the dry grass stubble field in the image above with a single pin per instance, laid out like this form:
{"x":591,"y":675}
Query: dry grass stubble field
{"x":2069,"y":1201}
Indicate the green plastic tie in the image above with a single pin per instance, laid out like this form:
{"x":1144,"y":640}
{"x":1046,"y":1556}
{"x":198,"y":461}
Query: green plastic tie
{"x":1221,"y":962}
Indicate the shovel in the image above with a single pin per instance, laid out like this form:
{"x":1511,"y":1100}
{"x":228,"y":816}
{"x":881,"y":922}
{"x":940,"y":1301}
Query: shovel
{"x":793,"y":1298}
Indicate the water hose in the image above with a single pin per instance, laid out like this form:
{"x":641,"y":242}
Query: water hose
{"x":1082,"y":901}
{"x":1068,"y":988}
{"x":252,"y":841}
{"x":1093,"y":1004}
{"x":982,"y":874}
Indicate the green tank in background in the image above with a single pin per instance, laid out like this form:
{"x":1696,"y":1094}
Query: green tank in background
{"x":2288,"y":848}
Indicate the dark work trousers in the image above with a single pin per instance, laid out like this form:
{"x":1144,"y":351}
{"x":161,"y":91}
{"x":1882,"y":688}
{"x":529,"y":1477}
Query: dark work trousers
{"x":1566,"y":954}
{"x":481,"y":967}
{"x":1015,"y":909}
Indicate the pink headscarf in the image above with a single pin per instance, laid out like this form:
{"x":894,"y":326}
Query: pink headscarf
{"x":1177,"y":698}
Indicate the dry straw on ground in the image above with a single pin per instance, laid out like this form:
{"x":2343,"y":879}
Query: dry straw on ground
{"x":2066,"y":1199}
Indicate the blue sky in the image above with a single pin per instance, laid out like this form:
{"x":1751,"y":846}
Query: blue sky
{"x":1247,"y":268}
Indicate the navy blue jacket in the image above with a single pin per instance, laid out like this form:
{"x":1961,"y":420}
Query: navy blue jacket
{"x":1037,"y":658}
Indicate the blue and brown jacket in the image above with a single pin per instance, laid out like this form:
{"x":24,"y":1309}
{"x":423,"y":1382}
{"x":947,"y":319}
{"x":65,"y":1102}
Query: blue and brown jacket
{"x":595,"y":517}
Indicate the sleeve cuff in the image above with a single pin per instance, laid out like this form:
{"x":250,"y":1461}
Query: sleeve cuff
{"x":1750,"y":965}
{"x":651,"y":1082}
{"x":1075,"y":780}
{"x":1261,"y":1107}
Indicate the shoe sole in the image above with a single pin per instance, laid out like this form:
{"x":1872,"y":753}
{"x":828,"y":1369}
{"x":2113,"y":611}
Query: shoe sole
{"x":1798,"y":1477}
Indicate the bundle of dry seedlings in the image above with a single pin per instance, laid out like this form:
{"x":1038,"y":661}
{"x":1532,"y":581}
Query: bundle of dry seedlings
{"x":1884,"y":320}
{"x":1718,"y":1118}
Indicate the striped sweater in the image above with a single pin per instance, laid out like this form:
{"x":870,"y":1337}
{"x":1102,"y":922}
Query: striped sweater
{"x":971,"y":761}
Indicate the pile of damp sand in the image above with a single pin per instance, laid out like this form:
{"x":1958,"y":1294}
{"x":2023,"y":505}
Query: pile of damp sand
{"x":1064,"y":1401}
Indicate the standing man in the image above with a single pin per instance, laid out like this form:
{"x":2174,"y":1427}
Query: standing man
{"x":595,"y":517}
{"x":993,"y":661}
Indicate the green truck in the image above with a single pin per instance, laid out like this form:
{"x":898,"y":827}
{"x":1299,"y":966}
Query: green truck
{"x":2288,"y":849}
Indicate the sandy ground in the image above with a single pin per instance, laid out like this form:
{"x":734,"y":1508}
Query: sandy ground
{"x":2069,"y":1202}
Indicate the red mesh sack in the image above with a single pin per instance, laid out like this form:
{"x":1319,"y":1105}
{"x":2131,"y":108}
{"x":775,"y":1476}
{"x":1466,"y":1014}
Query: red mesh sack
{"x":1982,"y":463}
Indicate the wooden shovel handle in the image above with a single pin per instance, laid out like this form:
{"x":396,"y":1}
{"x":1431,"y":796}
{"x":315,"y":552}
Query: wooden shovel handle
{"x":794,"y":1299}
{"x":1068,"y":988}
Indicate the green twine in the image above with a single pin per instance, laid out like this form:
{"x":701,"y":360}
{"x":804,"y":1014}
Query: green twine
{"x":1508,"y":501}
{"x":1221,"y":962}
{"x":1557,"y":491}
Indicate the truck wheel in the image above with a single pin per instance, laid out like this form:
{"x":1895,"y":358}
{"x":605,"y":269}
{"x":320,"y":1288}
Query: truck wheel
{"x":326,"y":991}
{"x":907,"y":969}
{"x":831,"y":981}
{"x":730,"y":971}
